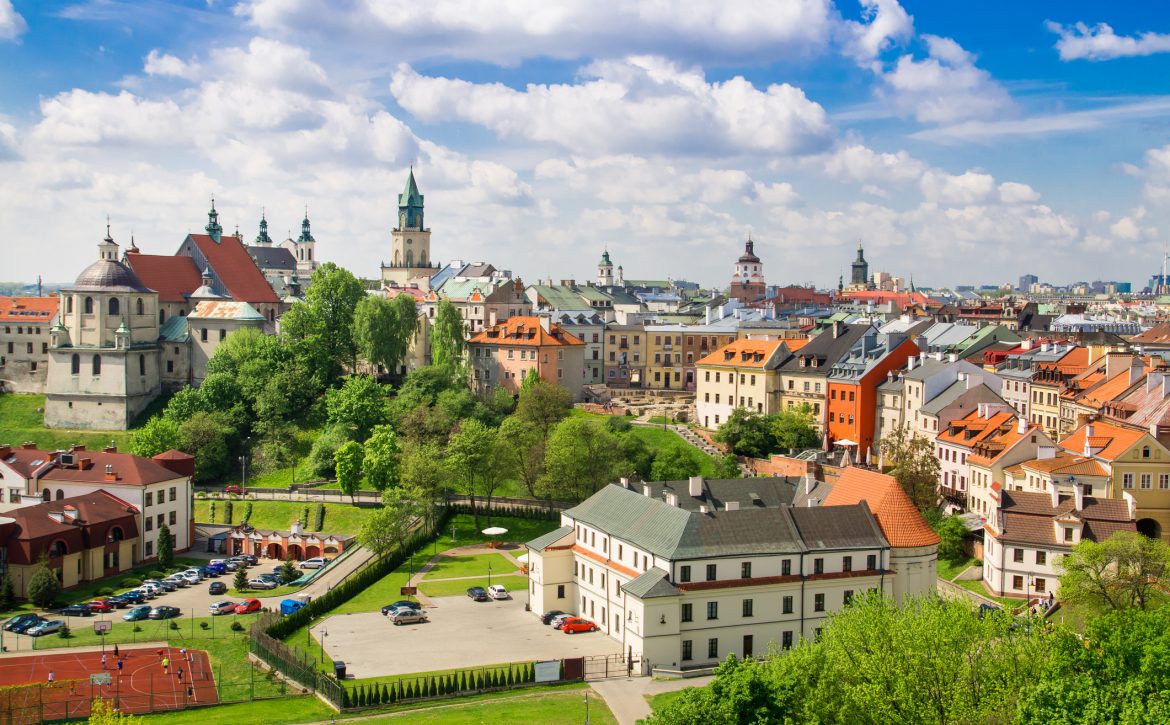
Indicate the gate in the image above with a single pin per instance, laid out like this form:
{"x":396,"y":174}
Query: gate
{"x":604,"y":667}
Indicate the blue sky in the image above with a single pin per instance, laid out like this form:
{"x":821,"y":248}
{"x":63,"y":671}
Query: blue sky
{"x":962,"y":144}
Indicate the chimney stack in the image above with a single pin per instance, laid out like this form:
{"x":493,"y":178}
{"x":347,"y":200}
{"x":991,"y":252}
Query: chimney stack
{"x":731,"y":506}
{"x":1079,"y":497}
{"x":672,"y":499}
{"x":625,"y":482}
{"x":1054,"y":492}
{"x":695,"y":486}
{"x":646,"y":489}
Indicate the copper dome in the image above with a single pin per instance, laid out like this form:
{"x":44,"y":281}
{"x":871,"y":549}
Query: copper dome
{"x":108,"y":275}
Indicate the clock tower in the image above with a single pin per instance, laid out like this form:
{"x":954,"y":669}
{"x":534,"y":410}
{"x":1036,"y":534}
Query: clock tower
{"x":410,"y":253}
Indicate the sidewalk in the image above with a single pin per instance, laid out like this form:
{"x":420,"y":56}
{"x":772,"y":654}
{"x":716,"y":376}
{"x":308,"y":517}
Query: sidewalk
{"x":626,"y":698}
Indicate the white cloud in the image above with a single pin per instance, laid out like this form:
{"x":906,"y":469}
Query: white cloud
{"x":943,"y":88}
{"x":167,"y":65}
{"x":1011,"y":192}
{"x":1156,"y":174}
{"x":858,"y":163}
{"x":396,"y":30}
{"x":8,"y":150}
{"x":887,"y":24}
{"x":1098,"y":42}
{"x":1048,"y":124}
{"x":970,"y":187}
{"x":639,"y":104}
{"x":12,"y":24}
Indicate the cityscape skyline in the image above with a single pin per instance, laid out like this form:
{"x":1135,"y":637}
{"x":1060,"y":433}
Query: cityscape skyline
{"x":960,"y":150}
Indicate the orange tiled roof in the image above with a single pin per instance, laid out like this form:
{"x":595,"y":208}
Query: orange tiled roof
{"x":236,"y":269}
{"x":1066,"y":464}
{"x":525,"y":330}
{"x":900,"y":522}
{"x":1113,"y":440}
{"x":174,"y":278}
{"x":37,"y":310}
{"x":985,"y":427}
{"x":744,"y":354}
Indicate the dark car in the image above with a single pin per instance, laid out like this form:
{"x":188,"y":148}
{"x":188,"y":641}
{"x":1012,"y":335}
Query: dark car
{"x":400,"y":604}
{"x":234,"y":488}
{"x":76,"y":610}
{"x":132,"y":597}
{"x":479,"y":594}
{"x":118,"y":601}
{"x":164,"y":612}
{"x":548,"y":616}
{"x":21,"y":620}
{"x":217,"y":588}
{"x":28,"y":624}
{"x":209,"y":572}
{"x":168,"y":586}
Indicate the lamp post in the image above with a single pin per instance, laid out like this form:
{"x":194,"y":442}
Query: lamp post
{"x":587,"y":707}
{"x":243,"y":472}
{"x":489,"y":576}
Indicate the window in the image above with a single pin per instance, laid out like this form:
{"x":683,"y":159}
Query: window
{"x":684,"y":573}
{"x":138,"y":306}
{"x":171,"y":518}
{"x":1164,"y":480}
{"x":786,"y":640}
{"x":847,"y":597}
{"x":1127,"y":480}
{"x":149,"y":550}
{"x":1018,"y":556}
{"x":1068,"y":535}
{"x":1147,"y":480}
{"x":818,"y":566}
{"x":745,"y":570}
{"x":847,"y":563}
{"x":787,"y":605}
{"x":1040,"y":585}
{"x":222,"y":335}
{"x":818,"y":602}
{"x":1145,"y":451}
{"x":96,"y":365}
{"x":149,"y":524}
{"x":114,"y":307}
{"x":687,"y":652}
{"x":747,"y":607}
{"x":1017,"y":582}
{"x":713,"y":647}
{"x":1041,"y":557}
{"x":786,"y":567}
{"x":710,"y":572}
{"x":170,"y":366}
{"x":142,"y":365}
{"x":174,"y":493}
{"x":75,"y":364}
{"x":160,"y":519}
{"x":560,"y":591}
{"x":203,"y":335}
{"x":871,"y":562}
{"x":687,"y":612}
{"x":712,"y":610}
{"x":149,"y":499}
{"x":69,"y":305}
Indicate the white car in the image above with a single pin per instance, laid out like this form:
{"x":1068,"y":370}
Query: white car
{"x":498,"y":591}
{"x":316,"y":562}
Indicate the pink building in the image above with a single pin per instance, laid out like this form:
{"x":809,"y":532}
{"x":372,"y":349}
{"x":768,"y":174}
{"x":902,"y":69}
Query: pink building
{"x":503,"y":354}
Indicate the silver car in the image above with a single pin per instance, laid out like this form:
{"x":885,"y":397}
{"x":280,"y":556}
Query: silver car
{"x":406,"y":615}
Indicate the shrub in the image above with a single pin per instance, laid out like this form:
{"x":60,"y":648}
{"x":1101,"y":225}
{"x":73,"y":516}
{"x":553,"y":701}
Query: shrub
{"x":174,"y":624}
{"x":130,"y":583}
{"x":237,"y":627}
{"x":137,"y":628}
{"x":204,"y":625}
{"x":319,"y":522}
{"x":155,"y":574}
{"x":212,"y":512}
{"x":247,"y":513}
{"x":305,"y":517}
{"x":43,"y":587}
{"x":105,"y":592}
{"x":227,"y":512}
{"x":64,"y":632}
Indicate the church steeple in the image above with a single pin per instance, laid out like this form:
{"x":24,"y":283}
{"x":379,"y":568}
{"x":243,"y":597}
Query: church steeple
{"x":262,"y":239}
{"x":860,"y":267}
{"x":410,"y":205}
{"x":306,"y":235}
{"x":213,"y":229}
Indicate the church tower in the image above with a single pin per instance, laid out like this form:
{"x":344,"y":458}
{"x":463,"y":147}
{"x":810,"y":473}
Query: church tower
{"x":747,"y":282}
{"x":605,"y":270}
{"x":860,"y":278}
{"x":410,"y":241}
{"x":262,"y":239}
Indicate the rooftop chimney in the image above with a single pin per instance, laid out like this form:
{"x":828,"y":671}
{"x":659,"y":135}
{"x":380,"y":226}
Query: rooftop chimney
{"x":695,"y":486}
{"x":647,"y":490}
{"x":953,"y":357}
{"x":703,"y":509}
{"x":625,"y":482}
{"x":1054,"y":492}
{"x":672,"y":499}
{"x":1079,"y":497}
{"x":296,"y":527}
{"x":809,"y":483}
{"x":731,"y":506}
{"x":1021,"y":425}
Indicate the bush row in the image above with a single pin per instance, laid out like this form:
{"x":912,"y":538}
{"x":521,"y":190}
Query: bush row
{"x":521,"y":512}
{"x":431,"y":687}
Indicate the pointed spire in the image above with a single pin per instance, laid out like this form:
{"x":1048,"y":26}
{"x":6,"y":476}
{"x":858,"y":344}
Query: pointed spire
{"x":410,"y":205}
{"x":108,"y":237}
{"x":306,"y":235}
{"x":213,"y":229}
{"x":262,"y":238}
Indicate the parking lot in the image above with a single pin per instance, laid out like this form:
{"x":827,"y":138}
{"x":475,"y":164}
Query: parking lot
{"x":461,"y":633}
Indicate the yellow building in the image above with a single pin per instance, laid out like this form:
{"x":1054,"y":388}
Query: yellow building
{"x":744,"y":374}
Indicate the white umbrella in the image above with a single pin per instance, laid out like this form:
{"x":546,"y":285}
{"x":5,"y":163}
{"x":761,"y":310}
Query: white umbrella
{"x":847,"y":459}
{"x":845,"y":442}
{"x":869,"y":456}
{"x":494,"y":531}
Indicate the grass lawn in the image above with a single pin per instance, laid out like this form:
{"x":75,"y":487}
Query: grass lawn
{"x":455,"y":587}
{"x":340,"y":518}
{"x":453,"y":566}
{"x":977,"y":587}
{"x":279,"y":711}
{"x":662,"y":699}
{"x":21,"y":422}
{"x":551,"y":707}
{"x":301,"y":444}
{"x":658,"y":439}
{"x":949,"y":569}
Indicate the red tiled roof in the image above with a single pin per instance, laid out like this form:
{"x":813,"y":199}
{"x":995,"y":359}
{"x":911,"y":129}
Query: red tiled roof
{"x":744,"y":354}
{"x":37,"y":310}
{"x":172,"y":277}
{"x":525,"y":330}
{"x":1113,"y":440}
{"x":900,"y":522}
{"x":96,"y":513}
{"x":129,"y":470}
{"x":235,"y":268}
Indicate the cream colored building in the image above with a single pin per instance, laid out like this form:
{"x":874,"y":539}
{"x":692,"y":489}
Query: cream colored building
{"x":744,"y":374}
{"x":211,"y":323}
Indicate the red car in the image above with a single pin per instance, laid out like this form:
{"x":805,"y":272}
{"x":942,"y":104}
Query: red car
{"x":573,"y":625}
{"x":100,"y":605}
{"x":248,"y":605}
{"x":234,"y":489}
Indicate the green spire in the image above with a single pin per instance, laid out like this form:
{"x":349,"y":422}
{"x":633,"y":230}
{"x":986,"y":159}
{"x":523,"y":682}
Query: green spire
{"x":306,"y":235}
{"x":214,"y":230}
{"x":262,"y":237}
{"x":605,"y":259}
{"x":410,"y":205}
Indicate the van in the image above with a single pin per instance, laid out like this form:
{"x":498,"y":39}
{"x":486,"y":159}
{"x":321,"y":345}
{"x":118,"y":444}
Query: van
{"x":316,"y":562}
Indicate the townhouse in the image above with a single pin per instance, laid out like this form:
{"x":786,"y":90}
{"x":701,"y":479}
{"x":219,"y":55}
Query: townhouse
{"x":589,"y":329}
{"x":1049,"y":382}
{"x":743,"y":374}
{"x":25,"y":323}
{"x":852,"y":388}
{"x":804,"y":378}
{"x":625,"y":355}
{"x":504,"y":353}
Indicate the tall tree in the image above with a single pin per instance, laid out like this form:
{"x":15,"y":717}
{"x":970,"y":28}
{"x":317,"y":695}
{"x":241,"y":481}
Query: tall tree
{"x":321,"y":326}
{"x":357,"y":406}
{"x":380,"y":458}
{"x":389,"y":526}
{"x":581,"y":457}
{"x":915,"y":465}
{"x":951,"y":532}
{"x":423,"y":472}
{"x":543,"y":405}
{"x":166,"y":547}
{"x":159,"y":434}
{"x":348,"y":461}
{"x":383,"y":329}
{"x":208,"y":437}
{"x":793,"y":428}
{"x":472,"y":458}
{"x":521,"y":448}
{"x":747,"y":433}
{"x":674,"y":463}
{"x":1125,"y":571}
{"x":43,"y":586}
{"x":447,"y":336}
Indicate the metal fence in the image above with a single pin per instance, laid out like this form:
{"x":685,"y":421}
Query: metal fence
{"x":292,"y":662}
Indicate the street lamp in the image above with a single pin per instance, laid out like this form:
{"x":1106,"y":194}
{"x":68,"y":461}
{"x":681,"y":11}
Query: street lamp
{"x":489,"y":576}
{"x":587,"y":707}
{"x":243,"y":472}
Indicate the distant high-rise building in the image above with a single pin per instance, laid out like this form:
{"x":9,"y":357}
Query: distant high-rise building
{"x":1026,"y":282}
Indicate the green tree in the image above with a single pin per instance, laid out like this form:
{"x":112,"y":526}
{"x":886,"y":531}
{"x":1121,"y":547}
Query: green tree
{"x":43,"y":586}
{"x":208,"y":437}
{"x":914,"y":465}
{"x":240,"y":581}
{"x":383,"y":329}
{"x":748,"y":434}
{"x":422,"y":471}
{"x":951,"y":532}
{"x":521,"y":448}
{"x":287,"y":395}
{"x":380,"y":458}
{"x":635,"y":459}
{"x":674,"y":463}
{"x":289,"y":572}
{"x":543,"y":404}
{"x":474,"y":463}
{"x":104,"y":712}
{"x":532,"y":377}
{"x":580,"y":458}
{"x":794,"y":429}
{"x":348,"y":459}
{"x":166,"y":547}
{"x":728,"y":467}
{"x":1125,"y":571}
{"x":388,"y":527}
{"x":321,"y":455}
{"x":158,"y":435}
{"x":447,"y":336}
{"x":7,"y":593}
{"x":320,"y":328}
{"x":357,"y":406}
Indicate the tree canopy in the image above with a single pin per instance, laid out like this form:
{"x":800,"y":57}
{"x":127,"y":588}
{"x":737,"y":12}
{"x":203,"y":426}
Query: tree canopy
{"x":915,"y":465}
{"x":447,"y":341}
{"x":1125,"y":571}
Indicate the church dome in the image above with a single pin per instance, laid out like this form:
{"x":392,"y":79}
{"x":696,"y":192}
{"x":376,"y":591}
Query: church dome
{"x":107,"y":275}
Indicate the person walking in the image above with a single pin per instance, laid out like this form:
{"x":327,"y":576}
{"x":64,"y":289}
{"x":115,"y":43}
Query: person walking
{"x":115,"y":651}
{"x":180,"y":673}
{"x":103,"y":661}
{"x":50,"y":677}
{"x":166,"y":663}
{"x":120,"y":663}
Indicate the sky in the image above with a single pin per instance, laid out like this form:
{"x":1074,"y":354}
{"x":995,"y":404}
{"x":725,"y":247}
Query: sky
{"x":960,"y":143}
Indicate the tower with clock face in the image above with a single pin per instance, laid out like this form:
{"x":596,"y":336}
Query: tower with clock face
{"x":410,"y":254}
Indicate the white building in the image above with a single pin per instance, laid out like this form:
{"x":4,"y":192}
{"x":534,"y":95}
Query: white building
{"x":685,"y":573}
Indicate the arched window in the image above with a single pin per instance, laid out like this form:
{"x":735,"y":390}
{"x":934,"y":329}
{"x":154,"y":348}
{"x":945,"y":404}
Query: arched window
{"x":272,"y":315}
{"x":138,"y":307}
{"x":46,"y":495}
{"x":115,"y":534}
{"x":89,"y":305}
{"x":60,"y":494}
{"x":162,"y":316}
{"x":410,"y":258}
{"x":97,"y":364}
{"x":1145,"y":451}
{"x":310,"y":250}
{"x":75,"y":364}
{"x":58,"y":549}
{"x":69,"y":305}
{"x":114,"y":307}
{"x":142,"y":365}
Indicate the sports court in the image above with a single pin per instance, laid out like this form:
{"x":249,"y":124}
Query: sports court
{"x":142,"y":686}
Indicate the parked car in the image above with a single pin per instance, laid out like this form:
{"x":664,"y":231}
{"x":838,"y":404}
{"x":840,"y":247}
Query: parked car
{"x":217,"y":588}
{"x":177,"y":580}
{"x":119,"y":601}
{"x":147,"y":592}
{"x":406,"y":615}
{"x":559,"y":620}
{"x":548,"y":616}
{"x":479,"y":594}
{"x":167,"y":585}
{"x":248,"y":605}
{"x":46,"y":626}
{"x":164,"y":612}
{"x":224,"y":607}
{"x":401,"y":604}
{"x":262,"y":582}
{"x":75,"y":610}
{"x":21,"y":622}
{"x":213,"y":569}
{"x":250,"y":558}
{"x":315,"y":563}
{"x":193,"y":571}
{"x":26,"y":625}
{"x":234,"y":488}
{"x":573,"y":625}
{"x":100,"y":605}
{"x":498,"y":591}
{"x":132,"y":597}
{"x":137,"y":613}
{"x":231,"y":565}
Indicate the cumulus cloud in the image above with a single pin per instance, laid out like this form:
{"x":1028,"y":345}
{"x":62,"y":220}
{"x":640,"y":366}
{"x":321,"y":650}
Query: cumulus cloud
{"x":12,"y":24}
{"x":509,"y":32}
{"x":1011,"y":192}
{"x":1155,"y":172}
{"x":858,"y":163}
{"x":640,"y":103}
{"x":1098,"y":42}
{"x":886,"y":24}
{"x":970,"y":187}
{"x":167,"y":65}
{"x":945,"y":87}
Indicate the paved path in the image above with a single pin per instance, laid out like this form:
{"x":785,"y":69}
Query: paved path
{"x":626,"y":698}
{"x":470,"y":550}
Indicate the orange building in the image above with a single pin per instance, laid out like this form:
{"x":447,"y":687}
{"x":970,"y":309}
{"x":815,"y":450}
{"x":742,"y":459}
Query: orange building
{"x":852,"y":387}
{"x":503,"y":354}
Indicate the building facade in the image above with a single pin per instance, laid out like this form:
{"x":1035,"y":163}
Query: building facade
{"x":504,"y":354}
{"x":25,"y":323}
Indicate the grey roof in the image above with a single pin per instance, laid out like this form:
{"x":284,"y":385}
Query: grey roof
{"x":540,"y":543}
{"x":106,"y":275}
{"x":892,"y":386}
{"x":827,"y":349}
{"x":174,"y":329}
{"x":768,"y":492}
{"x":273,"y":258}
{"x":838,"y":527}
{"x":653,"y":583}
{"x":925,"y":369}
{"x":647,"y":522}
{"x":936,"y":404}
